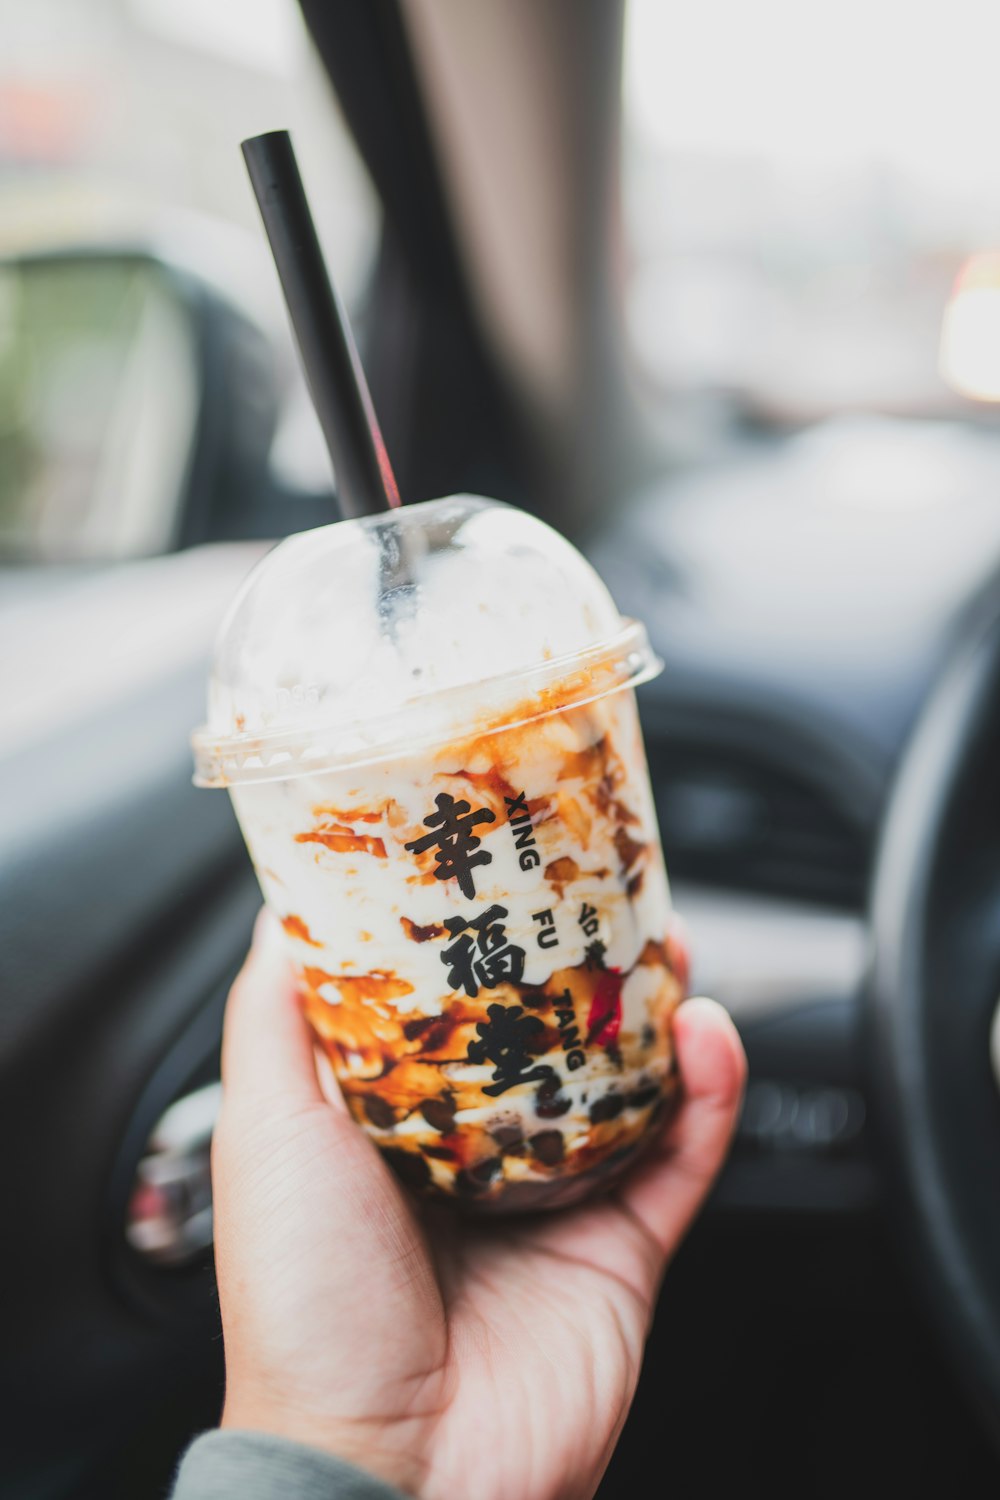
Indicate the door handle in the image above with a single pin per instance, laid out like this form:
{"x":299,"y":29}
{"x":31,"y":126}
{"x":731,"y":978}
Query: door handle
{"x":169,"y":1217}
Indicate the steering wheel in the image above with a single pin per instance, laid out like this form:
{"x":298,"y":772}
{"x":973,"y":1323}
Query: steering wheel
{"x":931,"y":1002}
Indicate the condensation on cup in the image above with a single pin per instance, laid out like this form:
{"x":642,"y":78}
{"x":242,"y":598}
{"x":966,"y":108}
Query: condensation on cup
{"x":427,"y":724}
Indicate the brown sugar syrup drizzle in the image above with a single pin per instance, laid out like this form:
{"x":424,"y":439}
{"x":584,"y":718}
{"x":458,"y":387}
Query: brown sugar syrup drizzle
{"x":391,"y":1066}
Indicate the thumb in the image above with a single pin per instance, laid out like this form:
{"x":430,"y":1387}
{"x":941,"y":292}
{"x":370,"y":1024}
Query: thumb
{"x":667,"y":1190}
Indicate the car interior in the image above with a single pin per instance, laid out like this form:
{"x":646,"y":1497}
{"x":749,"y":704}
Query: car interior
{"x":647,"y":272}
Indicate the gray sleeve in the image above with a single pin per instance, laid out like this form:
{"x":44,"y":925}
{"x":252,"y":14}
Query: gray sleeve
{"x":255,"y":1466}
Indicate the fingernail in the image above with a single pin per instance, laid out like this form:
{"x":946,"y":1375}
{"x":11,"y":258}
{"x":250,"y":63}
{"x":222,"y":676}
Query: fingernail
{"x":700,"y":1002}
{"x":702,"y":1010}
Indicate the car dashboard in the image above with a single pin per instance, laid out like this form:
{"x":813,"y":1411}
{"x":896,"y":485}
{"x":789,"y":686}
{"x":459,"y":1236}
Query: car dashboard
{"x":803,"y":594}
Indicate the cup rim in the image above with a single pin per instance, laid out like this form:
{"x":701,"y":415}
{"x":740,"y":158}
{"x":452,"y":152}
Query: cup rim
{"x":625,"y":660}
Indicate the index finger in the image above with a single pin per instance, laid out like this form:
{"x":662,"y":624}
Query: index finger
{"x":267,"y":1049}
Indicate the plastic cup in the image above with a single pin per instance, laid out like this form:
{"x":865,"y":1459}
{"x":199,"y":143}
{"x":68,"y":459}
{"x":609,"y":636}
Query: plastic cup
{"x":427,"y":724}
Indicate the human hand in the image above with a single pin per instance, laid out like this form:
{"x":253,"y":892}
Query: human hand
{"x":447,"y":1355}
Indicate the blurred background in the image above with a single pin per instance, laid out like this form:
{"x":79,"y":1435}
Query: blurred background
{"x":715,"y":289}
{"x":801,"y":193}
{"x":120,"y":127}
{"x":799,"y":214}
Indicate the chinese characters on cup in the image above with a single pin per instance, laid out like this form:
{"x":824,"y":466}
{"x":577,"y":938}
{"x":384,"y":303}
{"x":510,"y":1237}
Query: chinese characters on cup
{"x":481,"y":956}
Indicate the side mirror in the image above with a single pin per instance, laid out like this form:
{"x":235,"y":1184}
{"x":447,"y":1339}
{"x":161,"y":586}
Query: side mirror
{"x":137,"y":410}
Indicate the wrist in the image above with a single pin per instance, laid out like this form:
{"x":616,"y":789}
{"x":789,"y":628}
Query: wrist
{"x":379,"y":1447}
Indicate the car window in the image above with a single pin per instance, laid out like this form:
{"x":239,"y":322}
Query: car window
{"x":120,"y":125}
{"x":805,"y":178}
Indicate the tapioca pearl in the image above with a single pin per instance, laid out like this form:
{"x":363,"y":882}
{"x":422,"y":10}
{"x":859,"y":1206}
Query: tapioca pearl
{"x":379,"y":1111}
{"x":644,"y":1095}
{"x":410,"y":1168}
{"x":548,"y":1147}
{"x":507,"y":1136}
{"x":470,"y":1182}
{"x":440,"y":1113}
{"x":440,"y":1153}
{"x":607,"y":1108}
{"x":549,"y":1102}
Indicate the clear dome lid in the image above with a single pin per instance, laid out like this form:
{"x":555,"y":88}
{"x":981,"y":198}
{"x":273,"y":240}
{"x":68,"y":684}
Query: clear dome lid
{"x":368,"y":637}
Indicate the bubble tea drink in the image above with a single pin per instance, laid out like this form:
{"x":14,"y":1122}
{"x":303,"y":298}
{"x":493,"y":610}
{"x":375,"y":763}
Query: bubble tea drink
{"x":427,"y":725}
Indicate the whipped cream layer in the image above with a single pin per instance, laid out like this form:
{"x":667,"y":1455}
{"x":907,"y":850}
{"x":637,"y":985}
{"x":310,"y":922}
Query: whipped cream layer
{"x":481,"y":935}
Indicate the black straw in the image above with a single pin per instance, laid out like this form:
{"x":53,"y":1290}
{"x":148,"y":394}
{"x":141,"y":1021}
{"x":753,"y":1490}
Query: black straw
{"x":365,"y":481}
